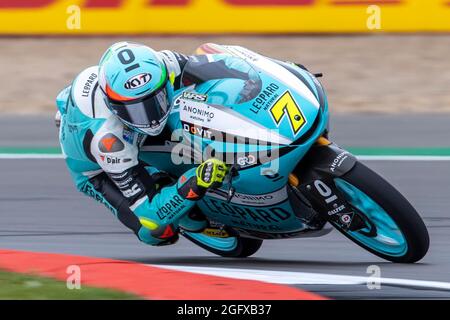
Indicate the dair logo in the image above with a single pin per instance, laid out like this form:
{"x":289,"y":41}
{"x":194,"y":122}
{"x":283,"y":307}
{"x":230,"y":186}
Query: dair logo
{"x":138,"y":81}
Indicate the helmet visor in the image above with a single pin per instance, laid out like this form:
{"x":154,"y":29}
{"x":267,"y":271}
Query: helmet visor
{"x":146,"y":112}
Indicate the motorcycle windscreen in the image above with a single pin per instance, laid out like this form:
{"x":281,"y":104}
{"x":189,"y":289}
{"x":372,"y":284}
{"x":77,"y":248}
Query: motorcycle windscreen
{"x":201,"y":69}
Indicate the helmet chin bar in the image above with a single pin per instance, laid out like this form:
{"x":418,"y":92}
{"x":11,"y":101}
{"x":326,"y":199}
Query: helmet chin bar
{"x":149,"y":131}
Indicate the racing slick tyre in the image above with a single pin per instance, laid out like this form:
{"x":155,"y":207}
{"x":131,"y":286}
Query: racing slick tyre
{"x":230,"y":247}
{"x":393,"y":229}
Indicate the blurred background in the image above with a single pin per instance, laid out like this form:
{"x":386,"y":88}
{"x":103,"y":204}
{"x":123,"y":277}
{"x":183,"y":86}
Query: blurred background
{"x":386,"y":70}
{"x":377,"y":56}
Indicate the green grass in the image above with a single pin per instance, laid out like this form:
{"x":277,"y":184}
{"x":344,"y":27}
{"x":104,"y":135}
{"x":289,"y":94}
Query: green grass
{"x":16,"y":286}
{"x":37,"y":150}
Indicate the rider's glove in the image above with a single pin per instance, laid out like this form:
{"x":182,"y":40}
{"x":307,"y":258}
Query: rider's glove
{"x":211,"y":173}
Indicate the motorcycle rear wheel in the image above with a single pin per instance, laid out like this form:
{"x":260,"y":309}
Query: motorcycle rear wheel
{"x":231,"y":247}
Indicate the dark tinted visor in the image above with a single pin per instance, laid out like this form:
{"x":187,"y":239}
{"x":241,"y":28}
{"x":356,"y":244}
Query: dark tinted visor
{"x":145,"y":112}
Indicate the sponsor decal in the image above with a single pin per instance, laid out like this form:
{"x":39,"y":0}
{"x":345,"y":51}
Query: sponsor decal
{"x":260,"y":218}
{"x":138,"y":81}
{"x":191,"y":95}
{"x":217,"y":233}
{"x":337,"y":162}
{"x":128,"y":135}
{"x":118,"y":176}
{"x":113,"y":160}
{"x":226,"y":121}
{"x":73,"y":128}
{"x":88,"y":85}
{"x":218,"y":136}
{"x":336,"y":210}
{"x":89,"y":190}
{"x":191,"y":194}
{"x":243,"y":53}
{"x":202,"y":113}
{"x":110,"y":143}
{"x":167,"y":233}
{"x":247,"y":160}
{"x":198,"y":131}
{"x":252,"y":225}
{"x":134,"y":190}
{"x":346,"y":218}
{"x":171,"y":208}
{"x":265,"y":98}
{"x":257,"y":200}
{"x":124,"y":183}
{"x":254,"y":198}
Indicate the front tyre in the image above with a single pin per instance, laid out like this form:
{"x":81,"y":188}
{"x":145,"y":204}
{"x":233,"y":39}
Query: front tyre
{"x":230,"y":247}
{"x":394,"y":231}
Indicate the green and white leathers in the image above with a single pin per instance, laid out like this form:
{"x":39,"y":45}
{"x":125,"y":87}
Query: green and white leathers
{"x":106,"y":116}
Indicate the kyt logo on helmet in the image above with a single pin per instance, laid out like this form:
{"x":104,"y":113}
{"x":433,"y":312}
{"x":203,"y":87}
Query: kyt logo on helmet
{"x":138,"y":81}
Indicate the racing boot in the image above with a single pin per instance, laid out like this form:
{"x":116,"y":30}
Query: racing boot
{"x":167,"y":234}
{"x":158,"y":236}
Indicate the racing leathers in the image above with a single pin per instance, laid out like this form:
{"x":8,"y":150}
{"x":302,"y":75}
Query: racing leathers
{"x":102,"y":156}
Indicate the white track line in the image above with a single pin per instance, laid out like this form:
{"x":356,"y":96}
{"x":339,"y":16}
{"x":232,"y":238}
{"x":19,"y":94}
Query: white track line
{"x":289,"y":277}
{"x":30,"y":156}
{"x":363,"y":158}
{"x":404,"y":158}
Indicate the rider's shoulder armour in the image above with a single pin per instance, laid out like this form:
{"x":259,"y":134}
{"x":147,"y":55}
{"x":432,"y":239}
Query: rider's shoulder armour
{"x":87,"y":96}
{"x":114,"y":146}
{"x":175,"y":63}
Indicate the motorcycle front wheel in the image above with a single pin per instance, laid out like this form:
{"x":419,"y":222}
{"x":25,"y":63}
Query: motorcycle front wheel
{"x":394,"y":230}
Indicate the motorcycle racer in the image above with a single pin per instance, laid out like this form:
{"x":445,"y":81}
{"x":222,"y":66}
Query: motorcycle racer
{"x":106,"y":114}
{"x":115,"y":119}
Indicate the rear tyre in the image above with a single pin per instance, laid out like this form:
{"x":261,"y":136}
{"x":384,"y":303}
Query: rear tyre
{"x":231,"y":247}
{"x":401,"y":235}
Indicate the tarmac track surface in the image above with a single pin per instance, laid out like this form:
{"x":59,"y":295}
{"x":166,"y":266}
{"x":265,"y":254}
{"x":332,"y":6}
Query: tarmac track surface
{"x":41,"y":211}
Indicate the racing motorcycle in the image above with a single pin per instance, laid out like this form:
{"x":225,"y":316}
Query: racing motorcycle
{"x":287,"y":179}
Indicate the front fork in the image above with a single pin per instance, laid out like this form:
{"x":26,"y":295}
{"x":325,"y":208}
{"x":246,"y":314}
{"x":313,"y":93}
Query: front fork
{"x":324,"y":162}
